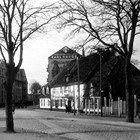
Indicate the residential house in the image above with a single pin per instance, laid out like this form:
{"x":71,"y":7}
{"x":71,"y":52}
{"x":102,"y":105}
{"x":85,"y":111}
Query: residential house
{"x":56,"y":63}
{"x":67,"y":85}
{"x":96,"y":85}
{"x":20,"y":86}
{"x":113,"y":86}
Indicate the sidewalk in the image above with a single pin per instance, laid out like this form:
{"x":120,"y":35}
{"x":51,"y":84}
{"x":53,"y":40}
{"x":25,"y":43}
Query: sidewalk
{"x":26,"y":135}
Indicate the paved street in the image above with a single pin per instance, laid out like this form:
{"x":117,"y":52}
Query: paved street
{"x":55,"y":125}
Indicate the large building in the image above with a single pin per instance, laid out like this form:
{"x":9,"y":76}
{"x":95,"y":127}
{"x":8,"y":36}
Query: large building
{"x":56,"y":63}
{"x":2,"y":80}
{"x":58,"y":60}
{"x":20,"y":92}
{"x":96,"y":85}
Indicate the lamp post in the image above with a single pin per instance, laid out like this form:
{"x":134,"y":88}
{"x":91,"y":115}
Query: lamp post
{"x":49,"y":90}
{"x":78,"y":111}
{"x":100,"y":53}
{"x":74,"y":97}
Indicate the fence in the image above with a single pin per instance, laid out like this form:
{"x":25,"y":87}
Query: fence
{"x":109,"y":107}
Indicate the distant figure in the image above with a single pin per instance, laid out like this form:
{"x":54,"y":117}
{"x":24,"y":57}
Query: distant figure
{"x":13,"y":108}
{"x":66,"y":106}
{"x":69,"y":105}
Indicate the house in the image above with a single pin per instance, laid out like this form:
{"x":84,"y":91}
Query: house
{"x":64,"y":86}
{"x":20,"y":86}
{"x":56,"y":64}
{"x":58,"y":60}
{"x":68,"y":86}
{"x":113,"y":86}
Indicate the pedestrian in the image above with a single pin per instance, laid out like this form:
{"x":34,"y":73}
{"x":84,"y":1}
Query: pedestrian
{"x":66,"y":108}
{"x":69,"y":106}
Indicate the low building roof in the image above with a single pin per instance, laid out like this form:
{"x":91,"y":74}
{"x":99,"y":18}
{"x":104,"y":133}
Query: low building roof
{"x":113,"y":74}
{"x":88,"y":66}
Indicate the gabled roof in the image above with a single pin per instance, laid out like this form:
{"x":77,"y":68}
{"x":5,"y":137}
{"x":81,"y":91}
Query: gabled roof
{"x":24,"y":78}
{"x":65,"y":51}
{"x":113,"y":74}
{"x":118,"y":71}
{"x":88,"y":66}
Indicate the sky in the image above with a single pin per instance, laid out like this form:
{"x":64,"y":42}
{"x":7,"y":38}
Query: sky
{"x":39,"y":48}
{"x":37,"y":51}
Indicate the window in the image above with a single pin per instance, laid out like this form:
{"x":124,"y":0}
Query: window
{"x":41,"y":102}
{"x":44,"y":102}
{"x":65,"y":88}
{"x":63,"y":102}
{"x":48,"y":102}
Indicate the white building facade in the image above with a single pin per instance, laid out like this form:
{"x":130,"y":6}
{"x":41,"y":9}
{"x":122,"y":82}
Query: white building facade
{"x":61,"y":95}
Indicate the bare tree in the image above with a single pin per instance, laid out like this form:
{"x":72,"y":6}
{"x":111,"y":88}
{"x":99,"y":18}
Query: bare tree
{"x":110,"y":23}
{"x":19,"y":20}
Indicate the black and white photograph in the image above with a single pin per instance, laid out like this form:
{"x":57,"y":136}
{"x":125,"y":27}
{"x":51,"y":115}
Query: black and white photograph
{"x":69,"y":69}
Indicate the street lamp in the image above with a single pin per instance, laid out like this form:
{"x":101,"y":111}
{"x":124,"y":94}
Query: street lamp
{"x":74,"y":96}
{"x":100,"y":53}
{"x":78,"y":85}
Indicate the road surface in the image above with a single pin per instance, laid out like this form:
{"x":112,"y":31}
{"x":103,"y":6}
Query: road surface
{"x":55,"y":125}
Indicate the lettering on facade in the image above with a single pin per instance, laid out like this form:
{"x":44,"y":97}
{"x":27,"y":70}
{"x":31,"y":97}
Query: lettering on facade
{"x":63,"y":56}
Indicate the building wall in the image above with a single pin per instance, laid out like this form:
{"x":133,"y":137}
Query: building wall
{"x":20,"y":86}
{"x":2,"y":80}
{"x":59,"y":60}
{"x":60,"y":95}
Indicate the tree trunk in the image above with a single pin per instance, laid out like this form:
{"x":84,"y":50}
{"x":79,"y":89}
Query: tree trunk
{"x":11,"y":76}
{"x":9,"y":99}
{"x":9,"y":115}
{"x":128,"y":92}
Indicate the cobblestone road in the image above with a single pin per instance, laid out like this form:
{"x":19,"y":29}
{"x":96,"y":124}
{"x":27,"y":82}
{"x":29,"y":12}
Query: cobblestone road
{"x":66,"y":126}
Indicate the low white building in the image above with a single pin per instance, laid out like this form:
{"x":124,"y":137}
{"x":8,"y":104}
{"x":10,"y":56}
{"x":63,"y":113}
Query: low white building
{"x":61,"y":95}
{"x":68,"y":87}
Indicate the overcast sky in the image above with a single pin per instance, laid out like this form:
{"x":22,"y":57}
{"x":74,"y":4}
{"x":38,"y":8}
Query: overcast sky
{"x":37,"y":51}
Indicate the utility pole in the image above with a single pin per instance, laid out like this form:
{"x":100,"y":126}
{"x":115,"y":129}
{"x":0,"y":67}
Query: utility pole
{"x":100,"y":53}
{"x":78,"y":85}
{"x":74,"y":96}
{"x":49,"y":89}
